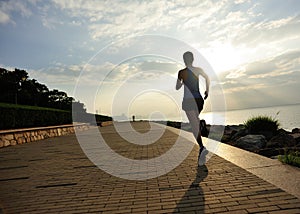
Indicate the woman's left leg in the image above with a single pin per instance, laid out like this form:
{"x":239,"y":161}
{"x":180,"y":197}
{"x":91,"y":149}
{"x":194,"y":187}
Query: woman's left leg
{"x":193,"y":117}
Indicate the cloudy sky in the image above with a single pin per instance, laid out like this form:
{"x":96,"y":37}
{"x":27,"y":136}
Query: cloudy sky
{"x":122,"y":57}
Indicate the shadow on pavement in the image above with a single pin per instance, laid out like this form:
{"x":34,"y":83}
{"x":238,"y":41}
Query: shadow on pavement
{"x":193,"y":199}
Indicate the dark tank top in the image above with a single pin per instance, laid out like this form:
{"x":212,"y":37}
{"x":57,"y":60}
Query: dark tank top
{"x":191,"y":85}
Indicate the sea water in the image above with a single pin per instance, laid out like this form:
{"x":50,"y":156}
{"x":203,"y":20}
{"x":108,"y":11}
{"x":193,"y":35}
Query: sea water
{"x":288,"y":116}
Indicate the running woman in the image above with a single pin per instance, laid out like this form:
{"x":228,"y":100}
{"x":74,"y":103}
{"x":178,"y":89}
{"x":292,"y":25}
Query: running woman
{"x":193,"y":102}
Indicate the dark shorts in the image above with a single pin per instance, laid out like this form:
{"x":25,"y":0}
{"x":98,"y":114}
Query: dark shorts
{"x":192,"y":104}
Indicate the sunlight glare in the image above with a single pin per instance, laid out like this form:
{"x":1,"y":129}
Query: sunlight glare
{"x":223,"y":57}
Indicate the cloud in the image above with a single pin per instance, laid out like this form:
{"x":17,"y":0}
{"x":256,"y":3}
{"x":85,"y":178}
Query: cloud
{"x":132,"y":18}
{"x":60,"y":75}
{"x":238,"y":73}
{"x":206,"y":23}
{"x":142,"y":71}
{"x":51,"y":23}
{"x":240,"y":1}
{"x":268,"y":31}
{"x":138,"y":17}
{"x":273,"y":81}
{"x":157,"y":65}
{"x":9,"y":7}
{"x":4,"y":18}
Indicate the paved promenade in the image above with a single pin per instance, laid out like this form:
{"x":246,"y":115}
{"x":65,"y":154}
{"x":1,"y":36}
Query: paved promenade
{"x":55,"y":176}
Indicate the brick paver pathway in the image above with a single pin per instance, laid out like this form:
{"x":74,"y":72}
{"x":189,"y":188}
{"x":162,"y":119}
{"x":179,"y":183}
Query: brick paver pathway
{"x":54,"y":176}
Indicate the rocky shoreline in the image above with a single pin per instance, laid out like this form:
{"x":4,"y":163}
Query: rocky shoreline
{"x":264,"y":143}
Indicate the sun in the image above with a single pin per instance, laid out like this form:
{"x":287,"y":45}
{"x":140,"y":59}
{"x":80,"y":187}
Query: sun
{"x":223,"y":56}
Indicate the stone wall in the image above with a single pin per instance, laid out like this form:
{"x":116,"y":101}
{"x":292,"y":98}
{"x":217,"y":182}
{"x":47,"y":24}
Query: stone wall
{"x":106,"y":123}
{"x":19,"y":136}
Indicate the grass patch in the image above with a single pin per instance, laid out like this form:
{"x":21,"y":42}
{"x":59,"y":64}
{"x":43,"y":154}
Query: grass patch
{"x":21,"y":116}
{"x":291,"y":158}
{"x":15,"y":106}
{"x":257,"y":124}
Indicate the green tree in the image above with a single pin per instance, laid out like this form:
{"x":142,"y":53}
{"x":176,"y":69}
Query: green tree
{"x":11,"y":84}
{"x":34,"y":93}
{"x":17,"y":88}
{"x":59,"y":99}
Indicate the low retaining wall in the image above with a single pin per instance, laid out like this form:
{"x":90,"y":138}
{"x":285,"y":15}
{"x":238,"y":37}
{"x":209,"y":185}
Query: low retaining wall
{"x":105,"y":123}
{"x":19,"y":136}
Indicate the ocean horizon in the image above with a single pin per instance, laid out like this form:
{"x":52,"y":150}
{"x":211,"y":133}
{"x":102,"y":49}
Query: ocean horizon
{"x":288,"y":116}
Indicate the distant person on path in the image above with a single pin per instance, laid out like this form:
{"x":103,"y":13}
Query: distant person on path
{"x":193,"y":102}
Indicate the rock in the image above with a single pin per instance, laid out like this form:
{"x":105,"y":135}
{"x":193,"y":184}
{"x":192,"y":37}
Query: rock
{"x":237,"y":127}
{"x":216,"y":132}
{"x":9,"y":137}
{"x":225,"y":138}
{"x":296,"y":137}
{"x":174,"y":124}
{"x":282,"y":131}
{"x":296,"y":130}
{"x":233,"y":132}
{"x":241,"y":133}
{"x":227,"y":129}
{"x":281,"y":140}
{"x":271,"y":152}
{"x":20,"y":140}
{"x":267,"y":134}
{"x":251,"y":143}
{"x":18,"y":135}
{"x":231,"y":129}
{"x":217,"y":128}
{"x":6,"y":143}
{"x":13,"y":142}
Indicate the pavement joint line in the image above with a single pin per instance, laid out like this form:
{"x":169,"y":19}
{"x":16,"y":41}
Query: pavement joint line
{"x":16,"y":178}
{"x":264,"y":166}
{"x":12,"y":167}
{"x":56,"y":185}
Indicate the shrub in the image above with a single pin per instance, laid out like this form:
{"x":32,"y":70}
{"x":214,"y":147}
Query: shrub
{"x":84,"y":117}
{"x":259,"y":124}
{"x":102,"y":118}
{"x":291,"y":158}
{"x":174,"y":124}
{"x":19,"y":116}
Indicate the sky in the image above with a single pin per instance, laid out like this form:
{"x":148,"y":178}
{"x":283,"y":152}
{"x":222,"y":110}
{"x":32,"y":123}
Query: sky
{"x":122,"y":57}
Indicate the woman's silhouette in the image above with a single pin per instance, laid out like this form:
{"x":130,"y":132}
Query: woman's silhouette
{"x":193,"y":102}
{"x":195,"y":193}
